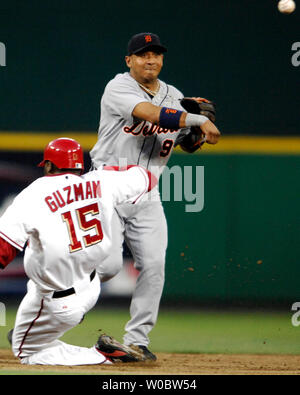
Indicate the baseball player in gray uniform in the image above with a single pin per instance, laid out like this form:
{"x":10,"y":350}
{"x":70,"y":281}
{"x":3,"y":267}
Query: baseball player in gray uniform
{"x":141,"y":118}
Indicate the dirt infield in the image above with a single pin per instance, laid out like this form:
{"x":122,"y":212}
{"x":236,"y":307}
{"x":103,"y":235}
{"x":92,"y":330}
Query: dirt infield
{"x":174,"y":364}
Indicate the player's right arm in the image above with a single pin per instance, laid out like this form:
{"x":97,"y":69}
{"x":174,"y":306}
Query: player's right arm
{"x":7,"y":253}
{"x":174,"y":119}
{"x":122,"y":98}
{"x":13,"y":229}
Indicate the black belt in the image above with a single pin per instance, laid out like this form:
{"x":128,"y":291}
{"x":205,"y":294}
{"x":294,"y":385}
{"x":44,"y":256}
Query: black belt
{"x":69,"y":291}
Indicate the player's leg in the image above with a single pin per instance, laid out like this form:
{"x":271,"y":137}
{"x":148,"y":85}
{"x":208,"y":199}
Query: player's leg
{"x":65,"y":354}
{"x":111,"y":266}
{"x":146,"y":235}
{"x":41,"y":320}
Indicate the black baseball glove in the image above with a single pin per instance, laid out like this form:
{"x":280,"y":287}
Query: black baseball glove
{"x":195,"y":138}
{"x":203,"y":107}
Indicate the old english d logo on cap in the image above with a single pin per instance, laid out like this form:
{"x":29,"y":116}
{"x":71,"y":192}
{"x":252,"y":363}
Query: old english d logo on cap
{"x":145,"y":41}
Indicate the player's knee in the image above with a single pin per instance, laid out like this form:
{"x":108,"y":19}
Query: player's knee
{"x":107,"y":276}
{"x":153,"y":261}
{"x":15,"y":348}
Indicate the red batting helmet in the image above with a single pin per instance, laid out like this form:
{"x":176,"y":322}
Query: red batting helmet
{"x":65,"y":153}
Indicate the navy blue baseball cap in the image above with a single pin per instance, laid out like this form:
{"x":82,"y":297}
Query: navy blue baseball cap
{"x":145,"y":42}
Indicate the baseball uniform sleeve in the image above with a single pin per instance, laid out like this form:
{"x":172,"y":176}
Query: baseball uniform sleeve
{"x":13,"y":223}
{"x":121,"y":96}
{"x":7,"y":253}
{"x":127,"y":186}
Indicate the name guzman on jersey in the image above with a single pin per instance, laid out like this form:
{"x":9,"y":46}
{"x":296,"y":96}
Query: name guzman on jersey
{"x":73,"y":193}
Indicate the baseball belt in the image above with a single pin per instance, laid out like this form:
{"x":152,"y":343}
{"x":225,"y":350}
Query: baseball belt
{"x":69,"y":291}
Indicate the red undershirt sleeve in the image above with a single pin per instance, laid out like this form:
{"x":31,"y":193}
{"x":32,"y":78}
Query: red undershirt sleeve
{"x":7,"y":253}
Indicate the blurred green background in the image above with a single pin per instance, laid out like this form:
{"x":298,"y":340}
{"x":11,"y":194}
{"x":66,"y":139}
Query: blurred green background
{"x":242,"y":249}
{"x":61,"y":54}
{"x":244,"y":244}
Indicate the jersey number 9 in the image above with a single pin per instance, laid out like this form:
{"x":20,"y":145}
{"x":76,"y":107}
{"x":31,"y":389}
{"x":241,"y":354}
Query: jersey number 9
{"x":166,"y":147}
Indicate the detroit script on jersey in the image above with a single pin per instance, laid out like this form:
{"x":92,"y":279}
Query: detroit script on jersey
{"x":146,"y":128}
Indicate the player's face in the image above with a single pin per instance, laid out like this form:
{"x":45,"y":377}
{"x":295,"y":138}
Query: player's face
{"x":145,"y":66}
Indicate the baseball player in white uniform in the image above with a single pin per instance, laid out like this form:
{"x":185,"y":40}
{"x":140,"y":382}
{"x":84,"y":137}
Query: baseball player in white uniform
{"x":141,"y":117}
{"x":63,"y":221}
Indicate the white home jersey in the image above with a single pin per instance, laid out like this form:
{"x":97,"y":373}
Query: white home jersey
{"x":64,"y":220}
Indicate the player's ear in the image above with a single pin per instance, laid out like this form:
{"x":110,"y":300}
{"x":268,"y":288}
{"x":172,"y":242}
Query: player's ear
{"x":128,"y":60}
{"x":48,"y":167}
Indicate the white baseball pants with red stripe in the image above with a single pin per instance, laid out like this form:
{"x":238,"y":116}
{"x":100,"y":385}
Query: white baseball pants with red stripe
{"x":41,"y":320}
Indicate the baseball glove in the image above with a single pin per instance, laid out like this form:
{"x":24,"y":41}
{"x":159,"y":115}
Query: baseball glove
{"x":191,"y":141}
{"x":203,"y":107}
{"x":195,"y":138}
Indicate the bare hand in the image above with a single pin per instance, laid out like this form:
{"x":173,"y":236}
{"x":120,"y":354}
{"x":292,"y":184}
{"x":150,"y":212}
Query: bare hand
{"x":211,"y":132}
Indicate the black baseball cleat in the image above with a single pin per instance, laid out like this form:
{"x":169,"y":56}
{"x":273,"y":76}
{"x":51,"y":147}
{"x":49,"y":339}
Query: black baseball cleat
{"x":117,"y":352}
{"x":148,"y":355}
{"x":9,"y":336}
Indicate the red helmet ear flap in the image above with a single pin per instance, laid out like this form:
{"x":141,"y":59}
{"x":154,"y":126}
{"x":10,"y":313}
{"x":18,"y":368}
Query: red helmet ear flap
{"x":65,"y":153}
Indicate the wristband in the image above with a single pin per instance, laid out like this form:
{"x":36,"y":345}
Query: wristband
{"x":169,"y":118}
{"x":194,"y":120}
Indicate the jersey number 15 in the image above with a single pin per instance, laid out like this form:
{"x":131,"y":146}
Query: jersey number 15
{"x":84,"y":224}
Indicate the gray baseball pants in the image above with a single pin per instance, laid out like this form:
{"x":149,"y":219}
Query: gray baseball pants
{"x":144,"y":228}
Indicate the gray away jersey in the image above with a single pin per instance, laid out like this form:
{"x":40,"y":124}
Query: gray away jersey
{"x":123,"y":139}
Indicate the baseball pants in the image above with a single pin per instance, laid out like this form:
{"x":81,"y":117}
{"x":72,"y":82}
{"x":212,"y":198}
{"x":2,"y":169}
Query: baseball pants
{"x":41,"y":320}
{"x":144,"y":228}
